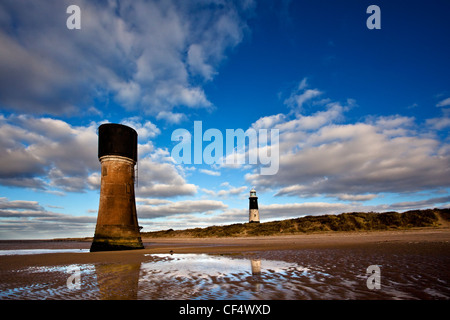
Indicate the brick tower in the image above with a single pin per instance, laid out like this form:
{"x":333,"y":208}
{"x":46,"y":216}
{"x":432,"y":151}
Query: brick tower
{"x":117,"y":226}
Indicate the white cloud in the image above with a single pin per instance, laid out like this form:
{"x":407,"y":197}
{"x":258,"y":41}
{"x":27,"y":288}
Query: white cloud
{"x":19,"y":204}
{"x":231,"y":191}
{"x":197,"y":64}
{"x":171,"y":117}
{"x":150,"y":201}
{"x":161,"y":179}
{"x":444,"y":103}
{"x":145,"y":54}
{"x":51,"y":155}
{"x":358,"y":197}
{"x":209,"y":192}
{"x":44,"y":153}
{"x":303,"y":84}
{"x":439,"y":123}
{"x":321,"y":155}
{"x":292,"y":210}
{"x":301,"y":96}
{"x":20,"y":219}
{"x":422,"y":204}
{"x":144,"y":130}
{"x":94,"y":180}
{"x":276,"y":211}
{"x":269,"y":121}
{"x":210,"y":172}
{"x":315,"y":121}
{"x":180,"y":207}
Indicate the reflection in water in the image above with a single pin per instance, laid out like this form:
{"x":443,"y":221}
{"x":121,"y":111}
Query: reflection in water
{"x":202,"y":276}
{"x":256,"y":266}
{"x":40,"y":251}
{"x":256,"y":272}
{"x":160,"y":276}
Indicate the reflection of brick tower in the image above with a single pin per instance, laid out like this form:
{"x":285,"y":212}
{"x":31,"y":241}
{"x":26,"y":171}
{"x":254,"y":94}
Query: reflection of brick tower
{"x":117,"y":225}
{"x":253,"y":214}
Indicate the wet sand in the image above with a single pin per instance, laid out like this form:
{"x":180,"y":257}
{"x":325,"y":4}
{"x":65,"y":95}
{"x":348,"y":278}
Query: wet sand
{"x":296,"y":242}
{"x":432,"y":237}
{"x":308,"y":266}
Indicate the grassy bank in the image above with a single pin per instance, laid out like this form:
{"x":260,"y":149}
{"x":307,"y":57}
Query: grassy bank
{"x":355,"y":221}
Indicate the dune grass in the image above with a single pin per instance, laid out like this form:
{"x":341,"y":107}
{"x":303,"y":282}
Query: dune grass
{"x":354,"y":221}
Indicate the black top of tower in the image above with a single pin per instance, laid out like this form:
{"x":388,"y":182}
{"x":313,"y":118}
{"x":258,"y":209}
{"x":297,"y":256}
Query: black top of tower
{"x":117,"y":140}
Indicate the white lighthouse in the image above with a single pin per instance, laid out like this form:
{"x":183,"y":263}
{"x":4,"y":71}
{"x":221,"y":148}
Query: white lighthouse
{"x":253,"y":214}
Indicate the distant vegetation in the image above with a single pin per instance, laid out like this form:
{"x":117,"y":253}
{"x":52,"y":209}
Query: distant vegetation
{"x":355,"y":221}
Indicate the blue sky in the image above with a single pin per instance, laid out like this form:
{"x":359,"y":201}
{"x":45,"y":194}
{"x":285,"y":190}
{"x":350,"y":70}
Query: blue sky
{"x":363,"y":115}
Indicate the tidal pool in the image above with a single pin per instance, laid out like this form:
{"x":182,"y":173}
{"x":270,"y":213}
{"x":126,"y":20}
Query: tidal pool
{"x":288,"y":274}
{"x":40,"y":251}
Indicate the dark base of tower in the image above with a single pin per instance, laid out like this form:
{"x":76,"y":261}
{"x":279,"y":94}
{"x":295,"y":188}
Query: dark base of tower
{"x":115,"y":245}
{"x":116,"y":237}
{"x":253,"y":222}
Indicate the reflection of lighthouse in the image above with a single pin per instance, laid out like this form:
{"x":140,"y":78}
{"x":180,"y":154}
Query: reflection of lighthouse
{"x":256,"y":266}
{"x":253,"y":214}
{"x":117,"y":225}
{"x":256,"y":274}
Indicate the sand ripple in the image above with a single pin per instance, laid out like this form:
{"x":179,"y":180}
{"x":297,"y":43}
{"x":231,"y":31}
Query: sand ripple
{"x":281,"y":274}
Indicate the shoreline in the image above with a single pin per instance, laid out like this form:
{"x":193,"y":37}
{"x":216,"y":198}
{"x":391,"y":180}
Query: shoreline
{"x":297,"y":241}
{"x":290,"y":267}
{"x":439,"y":237}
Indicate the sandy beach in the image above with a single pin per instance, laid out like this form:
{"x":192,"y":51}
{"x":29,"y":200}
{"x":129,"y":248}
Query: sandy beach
{"x":432,"y":236}
{"x":295,"y":242}
{"x":307,"y":266}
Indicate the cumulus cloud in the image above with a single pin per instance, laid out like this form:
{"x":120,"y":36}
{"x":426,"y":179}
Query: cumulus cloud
{"x":268,"y":121}
{"x":43,"y":153}
{"x":422,"y":204}
{"x":147,"y":211}
{"x":6,"y":204}
{"x":356,"y":197}
{"x":171,"y":117}
{"x":196,"y":61}
{"x":151,"y":55}
{"x":144,"y":128}
{"x":210,"y":172}
{"x":52,"y":155}
{"x":322,"y":155}
{"x":161,"y":179}
{"x":301,"y":209}
{"x":230,"y":191}
{"x":178,"y":218}
{"x":440,"y":123}
{"x":301,"y":95}
{"x":292,"y":210}
{"x":443,"y":103}
{"x":19,"y":218}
